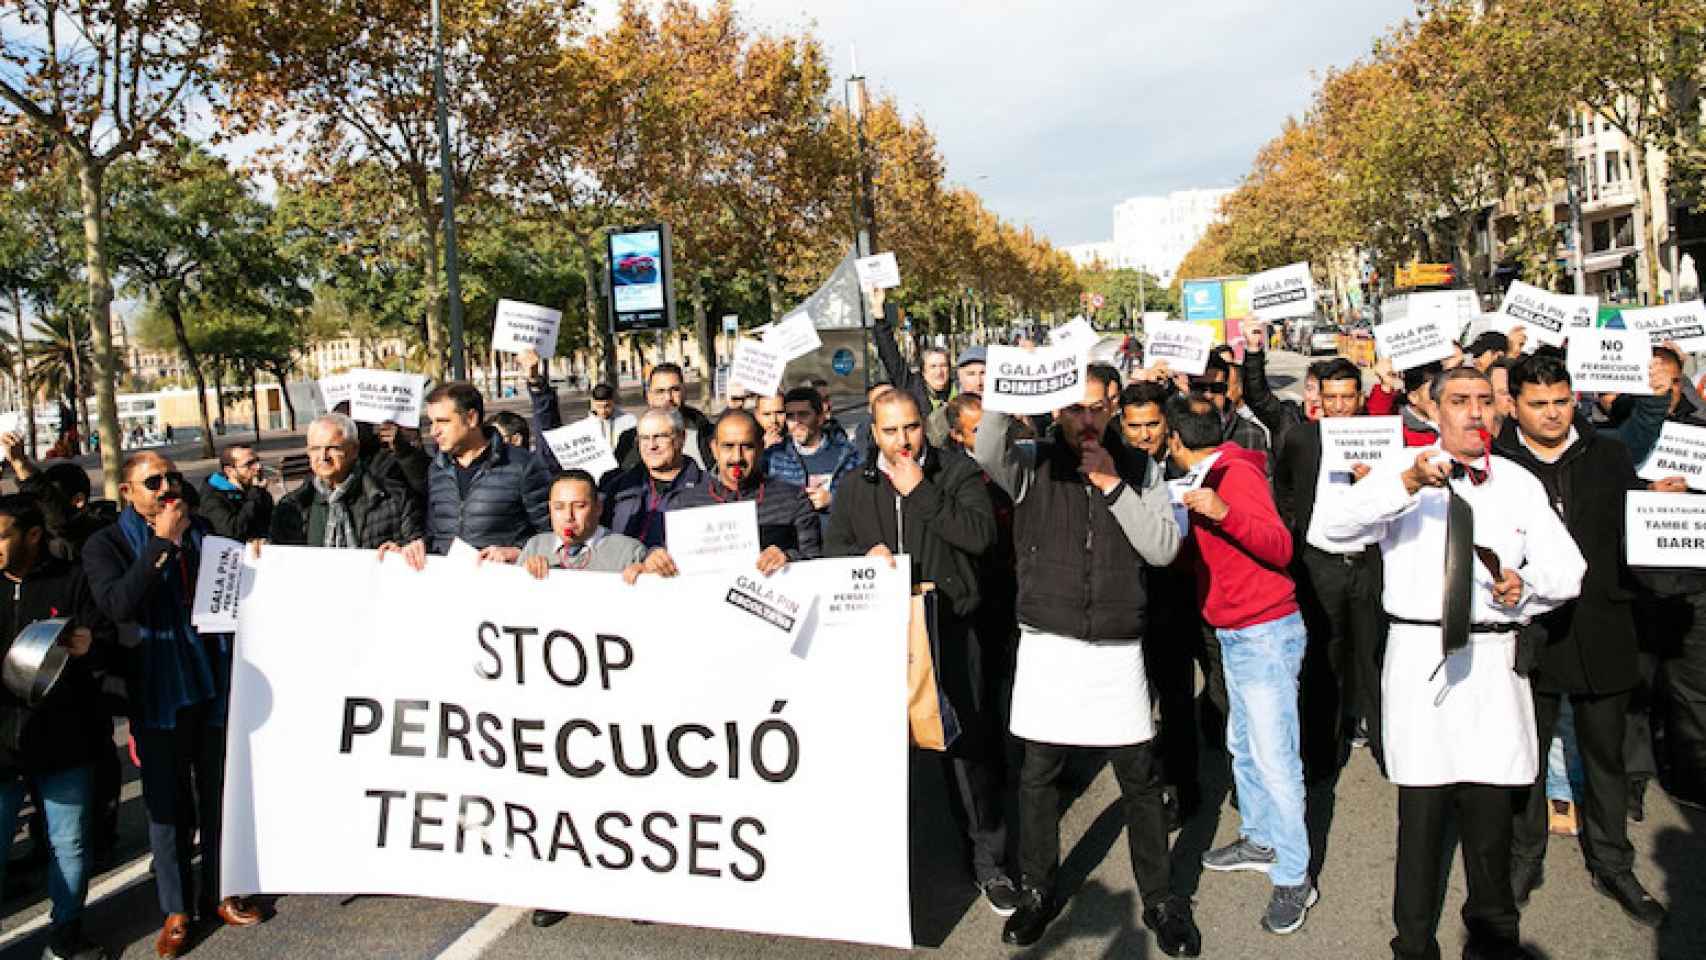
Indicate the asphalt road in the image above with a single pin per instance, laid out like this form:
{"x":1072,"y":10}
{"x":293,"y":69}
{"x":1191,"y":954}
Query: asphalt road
{"x":1566,"y":920}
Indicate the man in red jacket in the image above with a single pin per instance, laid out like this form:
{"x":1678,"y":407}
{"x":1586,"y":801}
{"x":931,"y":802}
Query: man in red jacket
{"x":1241,"y":549}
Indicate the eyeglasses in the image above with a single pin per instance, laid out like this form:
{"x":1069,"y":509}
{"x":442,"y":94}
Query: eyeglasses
{"x":248,"y":464}
{"x":154,"y":483}
{"x":655,"y":439}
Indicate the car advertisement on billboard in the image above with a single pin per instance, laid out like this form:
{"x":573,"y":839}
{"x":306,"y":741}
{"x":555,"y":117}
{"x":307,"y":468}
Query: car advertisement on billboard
{"x":639,"y":264}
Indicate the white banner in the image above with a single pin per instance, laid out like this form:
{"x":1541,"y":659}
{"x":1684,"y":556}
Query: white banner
{"x":582,"y":445}
{"x":222,"y":579}
{"x":1549,"y":317}
{"x":1685,"y":323}
{"x":574,"y":744}
{"x":794,"y":336}
{"x":1033,"y":381}
{"x":1347,"y":441}
{"x":1076,"y":332}
{"x":1665,"y":529}
{"x":1282,"y":293}
{"x":1609,"y":361}
{"x":758,"y":367}
{"x":880,"y":272}
{"x":520,"y":327}
{"x":334,"y":390}
{"x":1680,"y":452}
{"x":380,"y":395}
{"x":720,"y":537}
{"x":1185,"y":346}
{"x":1414,"y":341}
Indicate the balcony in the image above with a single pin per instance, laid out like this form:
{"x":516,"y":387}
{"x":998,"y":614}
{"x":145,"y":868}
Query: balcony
{"x":1600,"y":196}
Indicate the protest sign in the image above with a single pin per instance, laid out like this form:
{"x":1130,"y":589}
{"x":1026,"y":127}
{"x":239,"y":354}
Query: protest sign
{"x":1680,"y":452}
{"x":1033,"y":381}
{"x":1074,"y":333}
{"x":1179,"y":486}
{"x":12,"y":421}
{"x":334,"y":390}
{"x":1414,"y":341}
{"x":794,"y":336}
{"x":879,"y":272}
{"x":1283,"y":293}
{"x":520,"y":327}
{"x":1348,"y":441}
{"x":1184,"y":346}
{"x":1664,"y":529}
{"x":758,"y":367}
{"x":1549,"y":317}
{"x":224,"y":577}
{"x":720,"y":537}
{"x":1684,"y":323}
{"x":582,"y":445}
{"x":575,"y":744}
{"x":781,"y":604}
{"x":1609,"y":361}
{"x":380,"y":395}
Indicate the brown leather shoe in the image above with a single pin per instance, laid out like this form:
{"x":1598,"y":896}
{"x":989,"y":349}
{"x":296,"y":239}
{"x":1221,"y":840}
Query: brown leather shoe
{"x":238,"y":912}
{"x":174,"y":935}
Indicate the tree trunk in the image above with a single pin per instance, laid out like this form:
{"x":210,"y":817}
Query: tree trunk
{"x":284,"y":391}
{"x":435,"y":294}
{"x":175,"y":312}
{"x":1644,"y":197}
{"x":26,"y":396}
{"x":90,"y":185}
{"x":219,"y":392}
{"x":596,"y":315}
{"x":254,"y":402}
{"x":707,"y":348}
{"x":773,"y":291}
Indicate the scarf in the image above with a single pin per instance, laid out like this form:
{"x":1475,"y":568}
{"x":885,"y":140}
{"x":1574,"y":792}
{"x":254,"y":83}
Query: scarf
{"x":340,"y":533}
{"x":178,"y":668}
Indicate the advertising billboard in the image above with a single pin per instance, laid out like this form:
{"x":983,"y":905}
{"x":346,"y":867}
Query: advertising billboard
{"x":639,"y":267}
{"x":1204,"y":300}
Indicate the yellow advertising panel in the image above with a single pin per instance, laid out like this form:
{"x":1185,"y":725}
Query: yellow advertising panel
{"x":1237,"y":299}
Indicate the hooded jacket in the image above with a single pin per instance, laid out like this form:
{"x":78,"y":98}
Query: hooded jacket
{"x":1241,"y":559}
{"x":237,"y":514}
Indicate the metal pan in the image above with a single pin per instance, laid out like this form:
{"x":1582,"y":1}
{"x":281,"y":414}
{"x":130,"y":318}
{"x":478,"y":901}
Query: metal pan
{"x":35,"y":661}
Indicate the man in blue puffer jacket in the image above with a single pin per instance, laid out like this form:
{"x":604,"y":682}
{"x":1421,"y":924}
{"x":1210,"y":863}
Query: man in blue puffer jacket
{"x":810,"y":457}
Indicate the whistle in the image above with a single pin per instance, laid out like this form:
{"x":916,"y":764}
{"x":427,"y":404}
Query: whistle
{"x":735,"y":471}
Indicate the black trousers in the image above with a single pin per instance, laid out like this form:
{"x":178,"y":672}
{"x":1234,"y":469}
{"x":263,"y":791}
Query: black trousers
{"x":1483,"y":815}
{"x":1679,"y":701}
{"x":1169,"y":659}
{"x":183,"y":781}
{"x":1340,"y":682}
{"x":1600,"y":722}
{"x":1146,"y":819}
{"x":975,"y":766}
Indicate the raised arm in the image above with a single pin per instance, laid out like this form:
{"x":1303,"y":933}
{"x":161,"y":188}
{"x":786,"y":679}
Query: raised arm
{"x":1008,"y":464}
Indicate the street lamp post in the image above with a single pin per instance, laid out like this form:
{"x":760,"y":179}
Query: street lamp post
{"x":453,"y":281}
{"x":1576,"y":228}
{"x":864,"y":204}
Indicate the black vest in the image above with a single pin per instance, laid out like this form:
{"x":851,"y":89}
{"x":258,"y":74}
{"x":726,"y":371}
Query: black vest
{"x":1078,"y":574}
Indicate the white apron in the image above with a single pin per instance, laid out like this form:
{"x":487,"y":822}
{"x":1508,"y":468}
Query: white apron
{"x":1076,"y":693}
{"x":1473,"y":722}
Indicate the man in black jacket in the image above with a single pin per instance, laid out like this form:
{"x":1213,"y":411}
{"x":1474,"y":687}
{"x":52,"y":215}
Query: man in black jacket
{"x":930,"y":503}
{"x":1584,"y":650}
{"x":344,"y":504}
{"x":666,"y":386}
{"x":235,"y":501}
{"x":48,"y":746}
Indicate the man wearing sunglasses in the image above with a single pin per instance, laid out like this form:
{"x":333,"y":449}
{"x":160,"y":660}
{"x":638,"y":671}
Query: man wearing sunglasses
{"x":1214,"y":388}
{"x":142,"y":572}
{"x":235,"y":501}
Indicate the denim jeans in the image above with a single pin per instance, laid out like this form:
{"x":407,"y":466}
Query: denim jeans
{"x":1262,"y":664}
{"x":1564,"y":760}
{"x":65,"y":804}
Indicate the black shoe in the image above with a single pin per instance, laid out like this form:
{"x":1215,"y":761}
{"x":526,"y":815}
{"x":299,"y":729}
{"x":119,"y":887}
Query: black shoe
{"x":1632,"y":897}
{"x":1638,"y":800}
{"x":1175,"y":929}
{"x":70,"y":944}
{"x":1032,"y":917}
{"x":1526,"y":877}
{"x":548,"y":918}
{"x":1170,"y":803}
{"x":1001,"y":894}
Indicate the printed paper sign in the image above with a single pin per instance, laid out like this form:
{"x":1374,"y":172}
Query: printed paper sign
{"x":794,"y":336}
{"x":1185,"y":346}
{"x":758,"y":367}
{"x":879,"y":272}
{"x":636,"y":763}
{"x":1074,"y":332}
{"x":707,"y":539}
{"x":520,"y":327}
{"x":582,"y":445}
{"x":1178,"y":487}
{"x":1680,"y":452}
{"x":1414,"y":341}
{"x":380,"y":395}
{"x":1348,"y":441}
{"x":1664,"y":529}
{"x":225,"y":576}
{"x":1609,"y":361}
{"x":1283,"y":293}
{"x":1549,"y":317}
{"x":1684,"y":323}
{"x":1033,"y":381}
{"x":334,"y":390}
{"x":776,"y":603}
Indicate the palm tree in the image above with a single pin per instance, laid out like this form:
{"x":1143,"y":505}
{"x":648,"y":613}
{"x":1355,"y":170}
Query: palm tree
{"x":60,"y":353}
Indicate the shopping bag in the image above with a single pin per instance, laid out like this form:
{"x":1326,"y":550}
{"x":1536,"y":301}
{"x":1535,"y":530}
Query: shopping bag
{"x":931,"y":717}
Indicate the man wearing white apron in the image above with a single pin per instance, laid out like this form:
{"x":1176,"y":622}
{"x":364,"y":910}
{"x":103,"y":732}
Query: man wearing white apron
{"x":1458,"y":721}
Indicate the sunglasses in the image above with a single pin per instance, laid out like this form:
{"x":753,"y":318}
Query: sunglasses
{"x":154,"y":483}
{"x":1216,"y":387}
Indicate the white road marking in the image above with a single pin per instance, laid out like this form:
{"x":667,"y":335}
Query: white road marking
{"x":120,"y":880}
{"x":491,"y":928}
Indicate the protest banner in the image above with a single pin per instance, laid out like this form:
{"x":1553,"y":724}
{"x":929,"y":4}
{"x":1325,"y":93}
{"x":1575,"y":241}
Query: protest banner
{"x":880,"y":272}
{"x":224,"y":577}
{"x":1283,"y":293}
{"x":1033,"y":381}
{"x":334,"y":390}
{"x":1414,"y":341}
{"x":1348,"y":441}
{"x":520,"y":327}
{"x":1609,"y":361}
{"x":575,"y":744}
{"x":380,"y":395}
{"x":1683,"y":323}
{"x":758,"y":367}
{"x":1184,"y":346}
{"x":1680,"y":452}
{"x":1549,"y":317}
{"x":1664,"y":529}
{"x":582,"y":445}
{"x":720,"y":537}
{"x":1076,"y":332}
{"x":794,"y":336}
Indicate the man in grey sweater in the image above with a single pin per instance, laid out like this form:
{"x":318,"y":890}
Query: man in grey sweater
{"x":576,"y":540}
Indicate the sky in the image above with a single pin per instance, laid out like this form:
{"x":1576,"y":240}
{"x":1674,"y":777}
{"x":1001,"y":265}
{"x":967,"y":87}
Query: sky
{"x":1056,"y":110}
